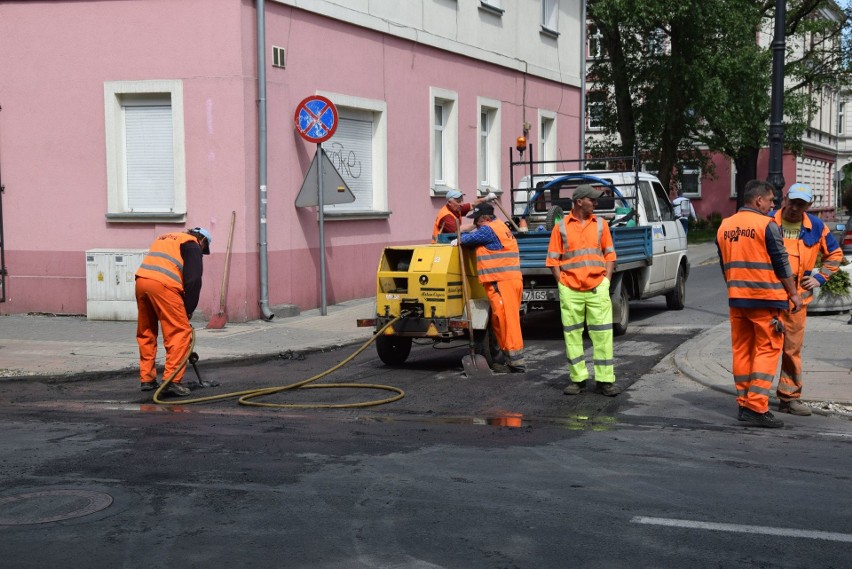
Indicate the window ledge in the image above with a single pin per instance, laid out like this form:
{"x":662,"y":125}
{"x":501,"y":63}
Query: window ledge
{"x":545,"y":31}
{"x":137,"y":217}
{"x":356,"y":215}
{"x":441,"y":191}
{"x":485,"y":7}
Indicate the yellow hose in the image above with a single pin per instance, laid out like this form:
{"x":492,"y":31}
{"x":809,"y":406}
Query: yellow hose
{"x":244,"y":396}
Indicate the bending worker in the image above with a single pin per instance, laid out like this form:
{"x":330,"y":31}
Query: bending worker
{"x":498,"y":265}
{"x":806,"y":238}
{"x":760,"y":283}
{"x":168,"y":284}
{"x":449,"y":217}
{"x":581,"y":257}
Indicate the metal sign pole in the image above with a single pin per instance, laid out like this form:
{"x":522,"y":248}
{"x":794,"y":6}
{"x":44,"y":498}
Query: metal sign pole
{"x":321,"y":231}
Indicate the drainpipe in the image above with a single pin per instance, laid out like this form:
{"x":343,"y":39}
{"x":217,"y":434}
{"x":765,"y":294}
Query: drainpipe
{"x":583,"y":26}
{"x":261,"y":149}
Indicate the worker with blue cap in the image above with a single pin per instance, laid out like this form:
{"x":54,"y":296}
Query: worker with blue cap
{"x":168,"y":284}
{"x":450,"y":215}
{"x":814,"y":256}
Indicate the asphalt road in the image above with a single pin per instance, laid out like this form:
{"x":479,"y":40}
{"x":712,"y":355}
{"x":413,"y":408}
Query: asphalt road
{"x":462,"y":473}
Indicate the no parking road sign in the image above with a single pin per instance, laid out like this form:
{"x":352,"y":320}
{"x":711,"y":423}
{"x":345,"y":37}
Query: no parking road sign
{"x":316,"y":119}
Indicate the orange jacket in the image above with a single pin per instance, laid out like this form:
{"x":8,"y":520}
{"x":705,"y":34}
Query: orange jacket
{"x":753,"y":260}
{"x":444,"y":225}
{"x":500,"y":265}
{"x":164,"y":262}
{"x":581,"y":251}
{"x":814,"y":239}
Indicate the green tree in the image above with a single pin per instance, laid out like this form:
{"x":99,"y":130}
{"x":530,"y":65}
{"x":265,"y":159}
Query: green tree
{"x":679,"y":77}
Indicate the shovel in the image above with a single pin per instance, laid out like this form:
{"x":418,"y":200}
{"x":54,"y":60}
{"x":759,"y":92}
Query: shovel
{"x":512,"y":221}
{"x":217,"y":321}
{"x":474,"y":364}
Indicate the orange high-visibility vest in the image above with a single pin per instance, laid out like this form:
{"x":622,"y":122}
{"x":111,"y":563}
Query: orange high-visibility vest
{"x":580,"y":253}
{"x":502,"y":265}
{"x":439,"y":227}
{"x":164,"y":262}
{"x":803,"y":257}
{"x":745,"y":260}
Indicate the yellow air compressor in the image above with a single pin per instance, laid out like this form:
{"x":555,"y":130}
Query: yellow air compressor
{"x":421,"y":285}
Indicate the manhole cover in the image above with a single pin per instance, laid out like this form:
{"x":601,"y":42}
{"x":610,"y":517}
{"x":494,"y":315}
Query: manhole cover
{"x":50,"y":506}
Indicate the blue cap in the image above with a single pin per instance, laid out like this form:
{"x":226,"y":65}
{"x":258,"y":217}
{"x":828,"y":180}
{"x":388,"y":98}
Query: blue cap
{"x":454,"y":195}
{"x":800,"y":192}
{"x":206,"y":234}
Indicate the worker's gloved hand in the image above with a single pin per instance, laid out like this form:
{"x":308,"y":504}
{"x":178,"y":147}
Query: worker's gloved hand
{"x":189,"y":315}
{"x":490,"y":197}
{"x":454,"y":242}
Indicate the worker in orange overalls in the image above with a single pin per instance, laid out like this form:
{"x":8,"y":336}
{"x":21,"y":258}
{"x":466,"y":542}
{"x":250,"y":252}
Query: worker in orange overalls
{"x":581,"y":256}
{"x":806,"y":238}
{"x":498,"y":266}
{"x":450,"y":215}
{"x":168,"y":284}
{"x":760,"y":283}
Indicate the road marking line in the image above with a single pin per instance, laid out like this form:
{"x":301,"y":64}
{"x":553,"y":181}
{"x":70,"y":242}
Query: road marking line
{"x":738,"y":528}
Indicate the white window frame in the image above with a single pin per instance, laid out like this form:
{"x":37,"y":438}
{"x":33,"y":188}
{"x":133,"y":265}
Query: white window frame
{"x":692,"y":169}
{"x":546,"y":139}
{"x":550,"y":16}
{"x":378,"y":110}
{"x":594,"y":43}
{"x":590,"y":125}
{"x":118,"y":95}
{"x":449,"y":134}
{"x":488,"y":145}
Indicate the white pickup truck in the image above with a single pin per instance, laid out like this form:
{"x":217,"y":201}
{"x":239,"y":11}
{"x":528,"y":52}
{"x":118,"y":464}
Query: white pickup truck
{"x":650,"y":242}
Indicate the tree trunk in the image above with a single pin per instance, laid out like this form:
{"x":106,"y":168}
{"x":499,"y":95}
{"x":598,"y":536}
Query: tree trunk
{"x":625,"y":121}
{"x":746,"y":164}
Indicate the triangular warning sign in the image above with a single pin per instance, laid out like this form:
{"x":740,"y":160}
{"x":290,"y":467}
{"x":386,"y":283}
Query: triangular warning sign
{"x":334,"y":188}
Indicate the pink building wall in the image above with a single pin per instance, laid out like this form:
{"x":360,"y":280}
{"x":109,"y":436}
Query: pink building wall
{"x":716,"y":193}
{"x":57,"y":56}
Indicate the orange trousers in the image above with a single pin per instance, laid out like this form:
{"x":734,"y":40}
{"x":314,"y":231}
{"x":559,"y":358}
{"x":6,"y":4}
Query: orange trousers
{"x":756,"y":348}
{"x":505,"y":300}
{"x":790,"y":382}
{"x":159,"y":304}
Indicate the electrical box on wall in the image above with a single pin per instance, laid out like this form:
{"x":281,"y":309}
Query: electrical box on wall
{"x":111,"y":283}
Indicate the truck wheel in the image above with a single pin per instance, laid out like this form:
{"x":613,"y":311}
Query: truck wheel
{"x":621,"y":313}
{"x":393,"y":350}
{"x":485,"y":344}
{"x":676,"y":299}
{"x":554,"y":216}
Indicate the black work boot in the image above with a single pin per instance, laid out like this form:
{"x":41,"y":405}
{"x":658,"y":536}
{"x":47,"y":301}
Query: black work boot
{"x":177,"y":390}
{"x":767,"y":419}
{"x":575,"y":388}
{"x":608,"y":389}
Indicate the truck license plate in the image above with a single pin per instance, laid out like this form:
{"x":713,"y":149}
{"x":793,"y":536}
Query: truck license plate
{"x":534,"y":295}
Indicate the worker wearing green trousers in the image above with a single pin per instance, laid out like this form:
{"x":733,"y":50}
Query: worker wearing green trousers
{"x":594,"y":309}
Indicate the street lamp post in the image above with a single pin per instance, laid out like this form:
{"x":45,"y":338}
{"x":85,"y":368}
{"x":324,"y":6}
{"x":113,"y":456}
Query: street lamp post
{"x":776,"y":124}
